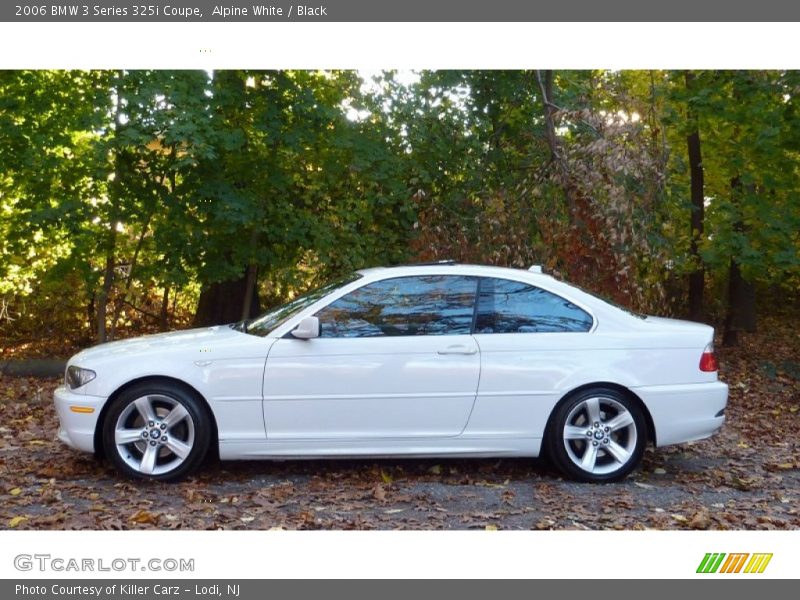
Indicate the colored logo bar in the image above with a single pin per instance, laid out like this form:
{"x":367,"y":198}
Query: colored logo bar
{"x":737,"y":562}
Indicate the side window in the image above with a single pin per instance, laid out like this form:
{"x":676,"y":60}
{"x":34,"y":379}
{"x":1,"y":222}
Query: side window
{"x":506,"y":306}
{"x":421,"y":305}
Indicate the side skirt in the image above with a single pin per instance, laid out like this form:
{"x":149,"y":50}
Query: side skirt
{"x":307,"y":449}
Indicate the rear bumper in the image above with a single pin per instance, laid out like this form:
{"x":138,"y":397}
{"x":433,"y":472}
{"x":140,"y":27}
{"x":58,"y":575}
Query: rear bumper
{"x":76,"y":429}
{"x":683,"y":413}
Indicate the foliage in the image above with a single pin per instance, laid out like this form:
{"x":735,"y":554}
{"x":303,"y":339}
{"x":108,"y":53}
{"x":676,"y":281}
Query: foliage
{"x":749,"y":125}
{"x":123,"y":194}
{"x":161,"y":180}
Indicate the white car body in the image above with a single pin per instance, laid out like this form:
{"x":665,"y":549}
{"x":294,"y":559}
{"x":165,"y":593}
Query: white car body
{"x":440,"y":395}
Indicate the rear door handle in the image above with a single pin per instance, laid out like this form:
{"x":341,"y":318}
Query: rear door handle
{"x":459,"y":349}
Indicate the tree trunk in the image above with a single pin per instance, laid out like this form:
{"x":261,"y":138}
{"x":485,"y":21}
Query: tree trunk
{"x":697,"y":276}
{"x":545,"y":81}
{"x":222,"y":302}
{"x":114,"y":196}
{"x":546,"y":87}
{"x":741,"y":314}
{"x":108,"y":282}
{"x":164,"y":320}
{"x":249,"y":292}
{"x":123,"y":297}
{"x":251,"y":277}
{"x":91,"y":312}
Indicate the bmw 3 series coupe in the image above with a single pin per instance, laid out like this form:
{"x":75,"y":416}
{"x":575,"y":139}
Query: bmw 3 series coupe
{"x":443,"y":360}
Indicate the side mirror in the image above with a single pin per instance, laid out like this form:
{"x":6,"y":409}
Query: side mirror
{"x":307,"y":328}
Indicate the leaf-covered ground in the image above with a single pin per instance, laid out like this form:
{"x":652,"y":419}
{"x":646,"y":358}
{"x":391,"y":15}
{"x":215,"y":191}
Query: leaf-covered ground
{"x":746,"y":477}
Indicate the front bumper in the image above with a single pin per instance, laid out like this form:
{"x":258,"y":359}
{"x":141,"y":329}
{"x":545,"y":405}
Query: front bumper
{"x":78,"y":416}
{"x":683,"y":413}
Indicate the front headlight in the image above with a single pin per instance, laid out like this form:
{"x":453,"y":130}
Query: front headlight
{"x":76,"y":377}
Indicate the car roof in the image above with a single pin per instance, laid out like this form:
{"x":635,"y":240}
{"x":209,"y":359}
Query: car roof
{"x":450,"y":267}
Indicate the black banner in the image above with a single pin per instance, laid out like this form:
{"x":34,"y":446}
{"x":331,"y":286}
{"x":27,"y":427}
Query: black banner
{"x":407,"y":10}
{"x":250,"y":589}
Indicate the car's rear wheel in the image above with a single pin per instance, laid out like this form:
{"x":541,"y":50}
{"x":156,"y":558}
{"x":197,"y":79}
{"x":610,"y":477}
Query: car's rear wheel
{"x":597,"y":435}
{"x":156,"y":430}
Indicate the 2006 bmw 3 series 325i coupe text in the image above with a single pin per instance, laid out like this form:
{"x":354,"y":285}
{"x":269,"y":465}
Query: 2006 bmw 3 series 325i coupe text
{"x":426,"y":360}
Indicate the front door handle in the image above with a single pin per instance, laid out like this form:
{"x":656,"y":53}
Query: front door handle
{"x":459,"y":349}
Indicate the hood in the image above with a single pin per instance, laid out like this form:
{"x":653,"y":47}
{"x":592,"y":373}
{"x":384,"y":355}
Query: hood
{"x":191,"y":339}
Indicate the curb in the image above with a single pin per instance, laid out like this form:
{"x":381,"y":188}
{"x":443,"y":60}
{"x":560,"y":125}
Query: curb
{"x":40,"y":367}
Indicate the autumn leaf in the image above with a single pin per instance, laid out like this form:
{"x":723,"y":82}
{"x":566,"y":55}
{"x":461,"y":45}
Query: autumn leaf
{"x":379,"y":493}
{"x":144,"y":517}
{"x":700,"y":520}
{"x":16,"y":521}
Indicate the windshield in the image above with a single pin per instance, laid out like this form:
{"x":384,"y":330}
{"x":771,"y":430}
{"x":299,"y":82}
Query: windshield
{"x":267,"y":322}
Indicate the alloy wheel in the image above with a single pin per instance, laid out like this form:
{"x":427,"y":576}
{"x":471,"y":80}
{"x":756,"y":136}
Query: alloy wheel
{"x":154,"y":434}
{"x":600,"y":435}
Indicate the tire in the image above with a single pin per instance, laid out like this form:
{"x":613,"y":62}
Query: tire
{"x":597,"y":435}
{"x":157,"y":430}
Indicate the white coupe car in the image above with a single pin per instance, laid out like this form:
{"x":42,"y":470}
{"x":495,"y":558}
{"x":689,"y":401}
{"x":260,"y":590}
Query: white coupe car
{"x":415,"y":361}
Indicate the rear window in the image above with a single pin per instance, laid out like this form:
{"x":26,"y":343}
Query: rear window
{"x":506,"y":306}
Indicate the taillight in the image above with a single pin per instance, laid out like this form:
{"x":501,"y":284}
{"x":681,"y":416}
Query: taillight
{"x":708,"y":362}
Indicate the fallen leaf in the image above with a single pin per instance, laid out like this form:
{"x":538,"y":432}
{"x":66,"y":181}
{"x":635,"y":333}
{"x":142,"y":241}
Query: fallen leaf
{"x":488,"y":484}
{"x":16,"y":521}
{"x":15,"y":492}
{"x":379,"y":493}
{"x":144,"y":517}
{"x":700,"y":520}
{"x":679,"y":518}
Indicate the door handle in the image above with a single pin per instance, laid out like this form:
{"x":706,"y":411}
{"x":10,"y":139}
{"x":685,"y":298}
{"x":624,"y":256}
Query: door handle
{"x":459,"y":349}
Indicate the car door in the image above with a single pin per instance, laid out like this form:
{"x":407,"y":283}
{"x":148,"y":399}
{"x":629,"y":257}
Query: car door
{"x":532,"y":342}
{"x":394,"y":359}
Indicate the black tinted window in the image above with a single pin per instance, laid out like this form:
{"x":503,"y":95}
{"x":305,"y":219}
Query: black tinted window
{"x":513,"y":307}
{"x":423,"y":305}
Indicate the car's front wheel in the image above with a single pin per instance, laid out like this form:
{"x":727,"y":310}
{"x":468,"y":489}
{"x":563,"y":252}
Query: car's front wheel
{"x":597,"y":435}
{"x":156,"y":430}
